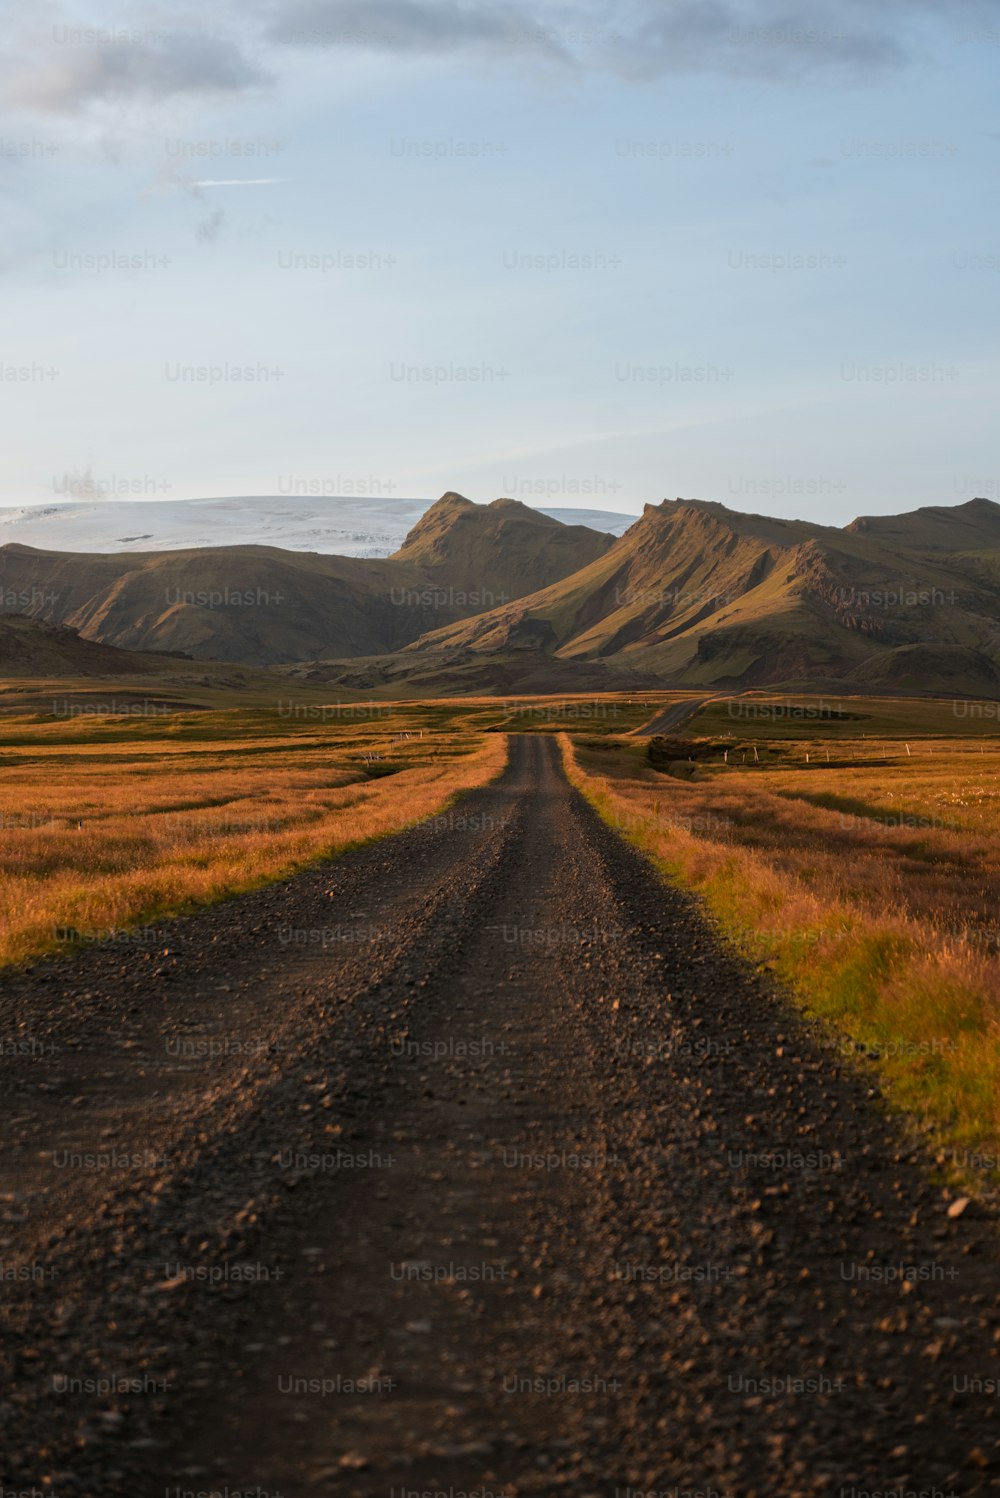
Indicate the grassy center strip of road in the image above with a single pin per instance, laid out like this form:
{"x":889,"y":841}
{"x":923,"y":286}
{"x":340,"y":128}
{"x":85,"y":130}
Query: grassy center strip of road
{"x":921,"y":1008}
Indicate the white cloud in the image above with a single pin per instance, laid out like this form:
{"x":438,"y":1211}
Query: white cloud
{"x":237,"y":182}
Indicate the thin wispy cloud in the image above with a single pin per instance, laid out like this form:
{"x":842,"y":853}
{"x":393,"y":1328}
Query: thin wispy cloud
{"x":416,"y":26}
{"x":237,"y":181}
{"x":638,"y":40}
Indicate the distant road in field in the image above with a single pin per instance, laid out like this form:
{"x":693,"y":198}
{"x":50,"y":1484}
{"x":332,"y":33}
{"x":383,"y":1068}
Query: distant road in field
{"x":470,"y":1161}
{"x":676,"y":715}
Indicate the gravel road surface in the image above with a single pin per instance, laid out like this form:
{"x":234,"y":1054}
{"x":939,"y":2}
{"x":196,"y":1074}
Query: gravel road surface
{"x":470,"y":1163}
{"x":675,"y":716}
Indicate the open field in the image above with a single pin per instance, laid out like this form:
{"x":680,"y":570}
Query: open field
{"x":111,"y":822}
{"x":869,"y":881}
{"x":837,"y":715}
{"x":120,"y":804}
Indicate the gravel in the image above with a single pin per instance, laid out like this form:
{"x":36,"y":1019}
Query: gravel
{"x":471,"y":1161}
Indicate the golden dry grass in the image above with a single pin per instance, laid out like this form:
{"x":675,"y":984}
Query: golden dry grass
{"x":917,"y":837}
{"x":96,"y":838}
{"x":877,"y":908}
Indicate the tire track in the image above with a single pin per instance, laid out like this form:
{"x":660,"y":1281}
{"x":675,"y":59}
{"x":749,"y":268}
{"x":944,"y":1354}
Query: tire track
{"x":621,"y":1220}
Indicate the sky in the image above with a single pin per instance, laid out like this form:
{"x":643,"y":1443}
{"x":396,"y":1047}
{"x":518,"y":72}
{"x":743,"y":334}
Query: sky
{"x":605,"y":251}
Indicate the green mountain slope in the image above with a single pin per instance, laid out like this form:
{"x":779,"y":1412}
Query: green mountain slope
{"x":710,"y":597}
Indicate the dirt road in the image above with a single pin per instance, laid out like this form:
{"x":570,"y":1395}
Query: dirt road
{"x":471,"y":1163}
{"x":675,"y":716}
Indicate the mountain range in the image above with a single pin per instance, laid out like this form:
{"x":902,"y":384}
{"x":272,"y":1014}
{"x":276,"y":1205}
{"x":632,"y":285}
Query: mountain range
{"x":499,"y":596}
{"x":699,"y":595}
{"x":264,"y":606}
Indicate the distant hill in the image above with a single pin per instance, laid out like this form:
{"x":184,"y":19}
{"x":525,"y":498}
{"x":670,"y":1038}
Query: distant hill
{"x":955,"y":528}
{"x":262,"y":605}
{"x":30,"y":647}
{"x":458,"y":544}
{"x":704,"y":596}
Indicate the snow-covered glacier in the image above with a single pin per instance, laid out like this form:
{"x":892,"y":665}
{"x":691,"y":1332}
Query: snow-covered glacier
{"x":338,"y":526}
